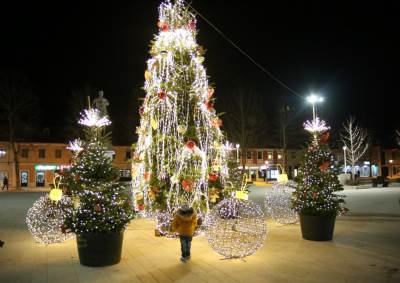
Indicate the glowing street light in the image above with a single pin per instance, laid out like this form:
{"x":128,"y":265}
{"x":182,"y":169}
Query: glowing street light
{"x":237,"y":152}
{"x":344,"y":158}
{"x":314,"y":99}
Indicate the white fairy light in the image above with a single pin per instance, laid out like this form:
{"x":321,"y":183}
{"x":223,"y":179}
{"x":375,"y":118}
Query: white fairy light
{"x":75,"y":145}
{"x":46,"y":218}
{"x":278,"y":203}
{"x":93,"y":118}
{"x":316,"y":125}
{"x":169,"y":112}
{"x":235,"y":228}
{"x":179,"y":38}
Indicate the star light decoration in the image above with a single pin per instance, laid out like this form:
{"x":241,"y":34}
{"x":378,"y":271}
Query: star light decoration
{"x":278,"y":203}
{"x":75,"y":145}
{"x":177,"y":102}
{"x":235,"y":228}
{"x":316,"y":126}
{"x":92,"y":118}
{"x":45,"y":219}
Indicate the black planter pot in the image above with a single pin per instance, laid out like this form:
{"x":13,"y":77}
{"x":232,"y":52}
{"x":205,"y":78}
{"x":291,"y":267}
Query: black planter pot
{"x":100,"y":249}
{"x":317,"y":227}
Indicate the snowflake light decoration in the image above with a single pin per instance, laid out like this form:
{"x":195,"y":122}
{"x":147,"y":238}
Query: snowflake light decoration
{"x":316,"y":125}
{"x":92,"y":118}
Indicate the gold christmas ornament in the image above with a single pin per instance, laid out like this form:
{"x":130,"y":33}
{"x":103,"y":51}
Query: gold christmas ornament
{"x":154,"y":124}
{"x":181,"y":129}
{"x":139,"y":196}
{"x":147,"y":75}
{"x":56,"y":193}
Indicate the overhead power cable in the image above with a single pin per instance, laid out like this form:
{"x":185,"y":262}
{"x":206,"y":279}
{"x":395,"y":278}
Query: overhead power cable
{"x":263,"y":69}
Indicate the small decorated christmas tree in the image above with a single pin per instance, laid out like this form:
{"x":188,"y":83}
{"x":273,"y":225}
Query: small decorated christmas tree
{"x":101,"y":204}
{"x":180,"y":156}
{"x":318,"y":177}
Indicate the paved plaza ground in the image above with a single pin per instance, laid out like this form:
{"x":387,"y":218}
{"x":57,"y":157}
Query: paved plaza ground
{"x":365,"y":248}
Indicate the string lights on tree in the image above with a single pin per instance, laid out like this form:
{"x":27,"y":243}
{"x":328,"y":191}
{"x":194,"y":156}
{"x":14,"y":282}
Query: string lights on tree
{"x":180,"y":151}
{"x":318,"y":176}
{"x":101,"y":205}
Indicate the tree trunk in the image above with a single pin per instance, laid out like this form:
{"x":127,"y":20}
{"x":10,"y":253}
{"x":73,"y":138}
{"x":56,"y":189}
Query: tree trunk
{"x":16,"y":167}
{"x":14,"y":150}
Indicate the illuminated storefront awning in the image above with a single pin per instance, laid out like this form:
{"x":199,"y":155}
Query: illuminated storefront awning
{"x":46,"y":167}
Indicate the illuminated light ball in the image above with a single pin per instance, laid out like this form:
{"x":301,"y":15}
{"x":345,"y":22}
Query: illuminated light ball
{"x":46,"y":218}
{"x":278,"y":204}
{"x":235,"y":228}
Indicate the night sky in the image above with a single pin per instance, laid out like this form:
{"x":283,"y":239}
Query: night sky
{"x":345,"y":52}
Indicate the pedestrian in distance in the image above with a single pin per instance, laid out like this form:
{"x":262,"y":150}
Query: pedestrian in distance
{"x":185,"y":223}
{"x":5,"y":183}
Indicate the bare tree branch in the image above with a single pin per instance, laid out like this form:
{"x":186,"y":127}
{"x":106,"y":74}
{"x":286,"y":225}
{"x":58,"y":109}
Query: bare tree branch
{"x":356,"y":141}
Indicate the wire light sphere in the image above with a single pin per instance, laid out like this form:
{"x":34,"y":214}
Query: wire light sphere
{"x":278,"y":203}
{"x":235,"y":228}
{"x":46,"y":217}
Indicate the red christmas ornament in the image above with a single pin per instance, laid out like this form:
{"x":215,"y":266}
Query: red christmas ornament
{"x":324,"y":138}
{"x":97,"y":207}
{"x":216,"y":122}
{"x":209,"y":105}
{"x":141,"y":206}
{"x":314,"y":195}
{"x":141,"y":110}
{"x":192,"y":25}
{"x":146,"y":176}
{"x":164,"y":27}
{"x":212,"y":177}
{"x":190,"y":145}
{"x":162,"y":95}
{"x":324,"y":166}
{"x":187,"y":184}
{"x":210,"y":92}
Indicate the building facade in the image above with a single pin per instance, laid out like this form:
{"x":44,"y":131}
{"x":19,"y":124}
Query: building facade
{"x":38,"y":162}
{"x":377,"y":161}
{"x":266,"y":163}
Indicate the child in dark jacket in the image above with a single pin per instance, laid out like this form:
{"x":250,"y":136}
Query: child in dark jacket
{"x":184,"y":223}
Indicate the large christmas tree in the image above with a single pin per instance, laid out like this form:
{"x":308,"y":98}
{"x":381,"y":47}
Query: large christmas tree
{"x":318,"y":176}
{"x":180,"y":152}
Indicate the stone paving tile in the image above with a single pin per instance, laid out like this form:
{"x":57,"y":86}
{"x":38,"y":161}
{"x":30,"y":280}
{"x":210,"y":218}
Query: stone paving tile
{"x":365,"y":249}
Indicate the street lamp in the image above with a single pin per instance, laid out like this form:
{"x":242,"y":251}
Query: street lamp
{"x":344,"y":158}
{"x":237,"y":152}
{"x":391,"y":168}
{"x":266,"y":162}
{"x":313,"y":99}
